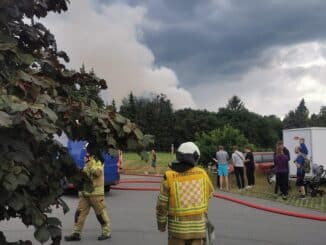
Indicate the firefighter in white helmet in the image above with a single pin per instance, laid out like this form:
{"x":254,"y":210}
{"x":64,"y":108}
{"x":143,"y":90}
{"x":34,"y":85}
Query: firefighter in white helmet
{"x":183,"y":199}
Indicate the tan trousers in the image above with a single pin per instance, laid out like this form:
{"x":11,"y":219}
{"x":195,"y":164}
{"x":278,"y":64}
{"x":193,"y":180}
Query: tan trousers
{"x":98,"y":204}
{"x":176,"y":241}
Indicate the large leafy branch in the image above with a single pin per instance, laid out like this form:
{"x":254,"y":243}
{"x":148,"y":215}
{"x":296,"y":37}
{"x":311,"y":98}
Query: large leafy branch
{"x":39,"y":98}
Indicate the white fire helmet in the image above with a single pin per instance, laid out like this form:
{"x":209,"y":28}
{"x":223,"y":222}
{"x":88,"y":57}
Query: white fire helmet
{"x":188,"y":153}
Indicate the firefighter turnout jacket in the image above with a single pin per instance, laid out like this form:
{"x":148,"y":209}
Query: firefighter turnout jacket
{"x":183,"y":203}
{"x":95,"y":171}
{"x":95,"y":199}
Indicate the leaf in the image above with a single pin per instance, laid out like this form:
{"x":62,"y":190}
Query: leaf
{"x":64,"y":205}
{"x":127,"y":129}
{"x":55,"y":232}
{"x":25,"y":58}
{"x":111,"y":141}
{"x":33,"y":130}
{"x":32,"y":79}
{"x":132,"y":144}
{"x":45,"y":99}
{"x":138,"y":134}
{"x":120,"y":119}
{"x":16,"y":202}
{"x":7,"y":46}
{"x":17,"y":170}
{"x":37,"y":218}
{"x":42,"y":234}
{"x":10,"y":178}
{"x":5,"y":119}
{"x":93,"y":105}
{"x":18,"y":107}
{"x":54,"y":221}
{"x":22,"y":179}
{"x":51,"y":114}
{"x":5,"y":38}
{"x":63,"y":55}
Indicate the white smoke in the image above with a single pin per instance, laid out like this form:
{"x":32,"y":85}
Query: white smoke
{"x":108,"y":39}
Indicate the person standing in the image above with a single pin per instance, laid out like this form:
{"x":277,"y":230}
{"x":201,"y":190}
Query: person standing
{"x":237,"y":159}
{"x":182,"y":202}
{"x":250,"y":167}
{"x":154,"y":159}
{"x":221,"y":159}
{"x":95,"y":199}
{"x":216,"y":169}
{"x":120,"y":161}
{"x":299,"y":162}
{"x":287,"y":153}
{"x":281,"y":162}
{"x":303,"y":147}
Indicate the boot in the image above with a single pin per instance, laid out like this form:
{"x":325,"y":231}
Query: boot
{"x":103,"y":237}
{"x":73,"y":237}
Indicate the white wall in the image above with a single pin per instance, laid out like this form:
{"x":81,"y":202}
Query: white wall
{"x":291,"y":143}
{"x":315,"y":140}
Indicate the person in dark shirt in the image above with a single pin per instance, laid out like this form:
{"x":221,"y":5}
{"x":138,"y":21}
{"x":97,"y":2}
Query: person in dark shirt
{"x":154,"y":159}
{"x":281,"y":162}
{"x":287,"y":153}
{"x":216,"y":165}
{"x":250,"y":167}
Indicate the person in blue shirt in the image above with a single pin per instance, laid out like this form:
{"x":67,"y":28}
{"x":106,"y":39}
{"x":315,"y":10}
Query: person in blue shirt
{"x":303,"y":147}
{"x":299,"y":162}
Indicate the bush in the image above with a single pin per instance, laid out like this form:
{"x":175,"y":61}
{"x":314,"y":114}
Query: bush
{"x":226,"y":136}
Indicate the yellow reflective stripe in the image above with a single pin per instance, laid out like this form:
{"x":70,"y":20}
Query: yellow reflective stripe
{"x":188,"y":230}
{"x":97,"y":191}
{"x":179,"y":226}
{"x":161,"y":219}
{"x":203,"y":208}
{"x":163,"y":198}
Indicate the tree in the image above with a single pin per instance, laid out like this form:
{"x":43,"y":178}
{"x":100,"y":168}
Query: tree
{"x":128,"y":107}
{"x":154,"y":115}
{"x":261,"y":131}
{"x":189,"y":122}
{"x":235,"y":104}
{"x":39,"y":97}
{"x":113,"y":104}
{"x":319,"y":120}
{"x":226,"y":136}
{"x":299,"y":118}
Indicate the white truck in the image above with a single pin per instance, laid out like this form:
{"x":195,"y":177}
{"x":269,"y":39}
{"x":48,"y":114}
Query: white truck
{"x":315,"y":140}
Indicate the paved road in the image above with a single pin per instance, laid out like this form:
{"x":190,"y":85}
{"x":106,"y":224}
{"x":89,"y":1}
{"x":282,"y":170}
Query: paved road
{"x":133,"y":219}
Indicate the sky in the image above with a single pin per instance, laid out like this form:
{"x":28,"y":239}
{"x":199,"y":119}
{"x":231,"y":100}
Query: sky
{"x":271,"y":53}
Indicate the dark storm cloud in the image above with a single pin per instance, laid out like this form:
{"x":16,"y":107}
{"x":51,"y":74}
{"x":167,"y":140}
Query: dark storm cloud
{"x":204,"y":40}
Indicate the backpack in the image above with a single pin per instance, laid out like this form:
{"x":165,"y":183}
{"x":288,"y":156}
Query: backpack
{"x":306,"y":165}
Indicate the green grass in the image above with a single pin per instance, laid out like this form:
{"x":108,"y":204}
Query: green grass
{"x":264,"y":190}
{"x":133,"y":164}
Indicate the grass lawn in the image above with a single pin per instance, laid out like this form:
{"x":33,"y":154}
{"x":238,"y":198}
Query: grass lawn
{"x":133,"y":164}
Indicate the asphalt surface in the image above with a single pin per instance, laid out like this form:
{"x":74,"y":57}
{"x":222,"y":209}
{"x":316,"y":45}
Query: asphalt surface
{"x":133,"y":222}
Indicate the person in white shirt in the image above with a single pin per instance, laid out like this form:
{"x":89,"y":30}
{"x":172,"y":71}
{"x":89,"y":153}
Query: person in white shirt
{"x":237,"y":159}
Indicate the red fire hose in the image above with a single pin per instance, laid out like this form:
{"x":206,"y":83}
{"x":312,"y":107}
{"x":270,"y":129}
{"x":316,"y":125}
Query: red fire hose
{"x":225,"y":197}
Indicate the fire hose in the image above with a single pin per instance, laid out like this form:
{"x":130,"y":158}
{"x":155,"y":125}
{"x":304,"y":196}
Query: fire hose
{"x":221,"y":196}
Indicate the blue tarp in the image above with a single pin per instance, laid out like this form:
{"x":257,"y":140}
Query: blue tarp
{"x":78,"y":152}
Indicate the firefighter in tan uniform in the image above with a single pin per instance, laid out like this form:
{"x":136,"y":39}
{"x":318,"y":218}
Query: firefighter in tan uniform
{"x":95,"y":199}
{"x":183,"y":199}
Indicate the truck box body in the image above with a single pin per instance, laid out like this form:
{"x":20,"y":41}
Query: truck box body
{"x":315,"y":140}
